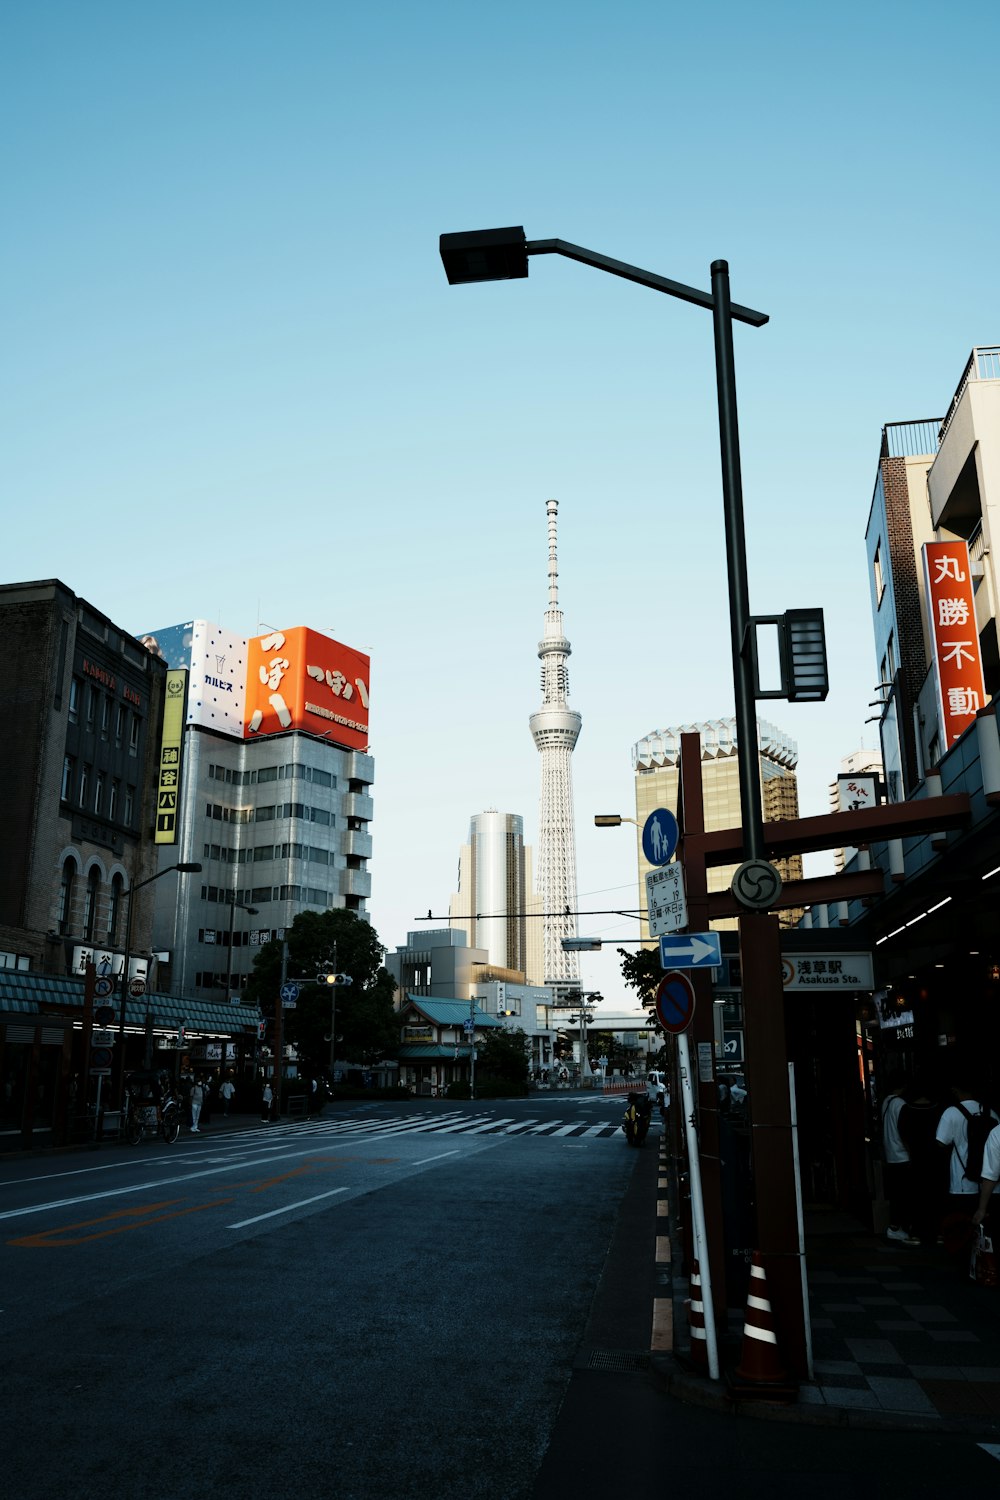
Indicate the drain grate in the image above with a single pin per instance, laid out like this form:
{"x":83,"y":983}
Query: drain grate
{"x":622,"y":1362}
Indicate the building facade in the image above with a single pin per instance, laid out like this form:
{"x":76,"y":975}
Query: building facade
{"x":274,"y":799}
{"x":83,"y":708}
{"x":494,"y":905}
{"x":656,"y":764}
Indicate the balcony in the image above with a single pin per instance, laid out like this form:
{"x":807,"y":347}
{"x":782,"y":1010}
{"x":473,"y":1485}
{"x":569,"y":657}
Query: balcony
{"x":356,"y":805}
{"x":353,"y":841}
{"x":969,"y":454}
{"x":355,"y":883}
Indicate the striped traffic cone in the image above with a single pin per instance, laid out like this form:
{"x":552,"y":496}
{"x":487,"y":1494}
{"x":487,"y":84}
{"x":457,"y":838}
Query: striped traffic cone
{"x":760,"y":1373}
{"x":696,"y":1321}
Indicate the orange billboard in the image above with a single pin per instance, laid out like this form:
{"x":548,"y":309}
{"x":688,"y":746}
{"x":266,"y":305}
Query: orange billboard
{"x":957,"y":660}
{"x":300,"y":679}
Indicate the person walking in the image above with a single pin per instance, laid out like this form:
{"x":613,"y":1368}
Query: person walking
{"x":265,"y":1105}
{"x":197,"y":1099}
{"x":897,"y":1166}
{"x":963,"y":1192}
{"x":226,"y":1093}
{"x":991,"y":1174}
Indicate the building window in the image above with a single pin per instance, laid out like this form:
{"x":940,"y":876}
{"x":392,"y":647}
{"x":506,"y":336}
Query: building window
{"x":890,"y":656}
{"x":877,"y":567}
{"x":133,"y":735}
{"x":113,"y":796}
{"x":84,"y":784}
{"x":128,"y":812}
{"x":69,"y":771}
{"x":90,"y":909}
{"x":74,"y":700}
{"x":66,"y":884}
{"x":105,"y":717}
{"x":99,"y":792}
{"x":120,"y":724}
{"x":91,"y":708}
{"x":115,"y":909}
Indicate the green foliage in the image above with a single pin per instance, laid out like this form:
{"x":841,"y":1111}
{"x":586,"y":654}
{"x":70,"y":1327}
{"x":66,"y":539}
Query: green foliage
{"x":641,"y":971}
{"x":502,"y":1058}
{"x":365,"y":1021}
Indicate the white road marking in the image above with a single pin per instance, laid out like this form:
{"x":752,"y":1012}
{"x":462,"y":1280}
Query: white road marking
{"x":440,"y":1157}
{"x":565,"y":1129}
{"x":993,"y":1449}
{"x":490,"y":1125}
{"x":288,"y":1208}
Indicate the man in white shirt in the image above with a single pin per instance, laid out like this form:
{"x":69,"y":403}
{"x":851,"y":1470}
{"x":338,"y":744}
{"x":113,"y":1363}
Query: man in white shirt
{"x":953,"y":1133}
{"x":897,"y":1169}
{"x":991,"y":1174}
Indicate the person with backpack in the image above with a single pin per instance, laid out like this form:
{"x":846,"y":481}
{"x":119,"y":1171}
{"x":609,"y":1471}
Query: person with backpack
{"x":990,"y":1176}
{"x":962,"y":1131}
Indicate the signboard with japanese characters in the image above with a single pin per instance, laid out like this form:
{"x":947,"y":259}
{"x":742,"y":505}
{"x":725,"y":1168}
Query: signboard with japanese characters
{"x":169,"y":784}
{"x":827,"y":971}
{"x":285,"y":679}
{"x":299,"y":679}
{"x":855,"y":791}
{"x":665,"y":902}
{"x":951,"y":609}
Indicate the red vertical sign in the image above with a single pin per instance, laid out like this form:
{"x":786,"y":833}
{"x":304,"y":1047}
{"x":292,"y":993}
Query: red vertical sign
{"x":958,"y":664}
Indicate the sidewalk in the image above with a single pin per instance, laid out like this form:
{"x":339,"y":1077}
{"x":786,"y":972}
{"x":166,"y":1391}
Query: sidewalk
{"x":901,"y":1338}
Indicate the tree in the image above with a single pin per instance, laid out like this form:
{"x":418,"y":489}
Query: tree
{"x":642,"y":972}
{"x":366,"y":1024}
{"x":502,"y":1057}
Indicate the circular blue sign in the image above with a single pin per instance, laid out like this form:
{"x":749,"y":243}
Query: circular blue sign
{"x":659,"y":837}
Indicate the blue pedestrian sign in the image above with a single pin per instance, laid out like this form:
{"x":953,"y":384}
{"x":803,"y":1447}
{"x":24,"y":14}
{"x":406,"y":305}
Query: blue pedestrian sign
{"x":659,"y":837}
{"x":690,"y":950}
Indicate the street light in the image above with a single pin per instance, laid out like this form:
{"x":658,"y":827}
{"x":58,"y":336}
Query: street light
{"x":584,"y":1003}
{"x":250,"y":911}
{"x":502,"y":254}
{"x":181,"y":869}
{"x":612,"y":820}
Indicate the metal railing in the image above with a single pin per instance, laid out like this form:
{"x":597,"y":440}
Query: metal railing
{"x":983,"y":364}
{"x":910,"y":439}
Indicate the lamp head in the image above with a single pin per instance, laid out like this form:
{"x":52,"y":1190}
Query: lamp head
{"x":485,"y":255}
{"x":189,"y":869}
{"x":607,"y":820}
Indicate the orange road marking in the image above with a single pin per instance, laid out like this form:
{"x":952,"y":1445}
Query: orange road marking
{"x":52,"y":1239}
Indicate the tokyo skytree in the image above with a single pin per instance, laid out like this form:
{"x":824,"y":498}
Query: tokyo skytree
{"x":555,"y":729}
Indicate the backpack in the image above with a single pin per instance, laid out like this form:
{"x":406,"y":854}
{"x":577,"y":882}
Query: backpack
{"x":978,"y":1128}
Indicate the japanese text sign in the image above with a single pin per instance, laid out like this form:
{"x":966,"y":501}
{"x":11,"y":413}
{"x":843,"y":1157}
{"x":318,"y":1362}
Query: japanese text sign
{"x":299,"y":679}
{"x":951,"y":609}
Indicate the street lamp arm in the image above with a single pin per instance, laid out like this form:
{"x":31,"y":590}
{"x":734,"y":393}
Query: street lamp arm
{"x":642,"y":278}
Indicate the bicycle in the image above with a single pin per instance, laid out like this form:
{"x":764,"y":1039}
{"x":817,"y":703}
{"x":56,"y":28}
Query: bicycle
{"x":140,"y":1115}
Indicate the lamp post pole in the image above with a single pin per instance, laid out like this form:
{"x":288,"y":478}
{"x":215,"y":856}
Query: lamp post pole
{"x":180,"y":869}
{"x":503,"y":255}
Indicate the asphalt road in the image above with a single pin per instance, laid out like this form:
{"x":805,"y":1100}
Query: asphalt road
{"x":396,"y":1301}
{"x":384,"y":1302}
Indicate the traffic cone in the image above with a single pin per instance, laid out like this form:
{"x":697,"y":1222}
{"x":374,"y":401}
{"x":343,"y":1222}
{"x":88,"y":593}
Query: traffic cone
{"x":760,"y":1373}
{"x":696,"y":1321}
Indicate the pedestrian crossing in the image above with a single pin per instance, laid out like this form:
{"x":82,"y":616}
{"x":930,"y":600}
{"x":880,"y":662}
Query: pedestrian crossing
{"x":457,"y":1122}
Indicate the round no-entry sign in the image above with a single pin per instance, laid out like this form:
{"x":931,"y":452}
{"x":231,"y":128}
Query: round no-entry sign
{"x":675,"y":1002}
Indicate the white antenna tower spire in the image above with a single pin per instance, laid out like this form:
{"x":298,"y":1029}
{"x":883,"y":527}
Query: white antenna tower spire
{"x":555,"y":729}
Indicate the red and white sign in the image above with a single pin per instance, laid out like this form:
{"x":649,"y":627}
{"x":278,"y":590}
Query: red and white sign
{"x":958,"y":664}
{"x":299,"y":679}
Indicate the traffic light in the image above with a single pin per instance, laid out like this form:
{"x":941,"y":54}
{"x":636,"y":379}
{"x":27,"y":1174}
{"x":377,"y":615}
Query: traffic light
{"x":336,"y":979}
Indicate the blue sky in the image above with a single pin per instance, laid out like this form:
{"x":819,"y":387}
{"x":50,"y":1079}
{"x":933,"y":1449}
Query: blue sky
{"x":236,"y":385}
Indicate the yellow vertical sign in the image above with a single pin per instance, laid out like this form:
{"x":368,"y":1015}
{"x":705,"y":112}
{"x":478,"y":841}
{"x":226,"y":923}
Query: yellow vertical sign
{"x":169,"y":786}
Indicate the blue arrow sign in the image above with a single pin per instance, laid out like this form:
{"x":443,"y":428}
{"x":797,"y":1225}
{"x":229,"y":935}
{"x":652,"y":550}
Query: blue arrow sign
{"x":659,"y":837}
{"x":289,"y":993}
{"x":690,"y":950}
